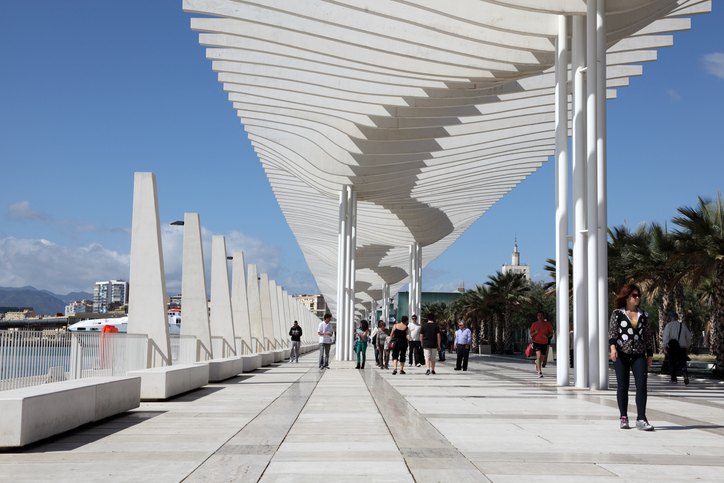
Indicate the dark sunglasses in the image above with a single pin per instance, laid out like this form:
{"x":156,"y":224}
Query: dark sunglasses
{"x":635,"y":295}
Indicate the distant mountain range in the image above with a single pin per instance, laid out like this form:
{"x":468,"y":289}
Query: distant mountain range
{"x":42,"y":301}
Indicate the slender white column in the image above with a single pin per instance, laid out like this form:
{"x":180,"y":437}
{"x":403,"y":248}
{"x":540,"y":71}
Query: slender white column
{"x":255,"y":320}
{"x":276,"y":319}
{"x":193,"y":289}
{"x":579,"y":208}
{"x":386,"y":303}
{"x":351,"y":274}
{"x":147,"y":300}
{"x":266,"y":314}
{"x":562,"y":268}
{"x":288,"y":317}
{"x":415,"y":279}
{"x":222,"y":321}
{"x":240,"y":304}
{"x":283,"y":322}
{"x":602,"y":197}
{"x":342,"y":269}
{"x":418,"y":287}
{"x":591,"y":194}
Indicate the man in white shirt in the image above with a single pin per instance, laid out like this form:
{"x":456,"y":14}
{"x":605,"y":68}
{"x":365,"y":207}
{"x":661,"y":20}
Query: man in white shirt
{"x":326,"y":334}
{"x":415,"y":347}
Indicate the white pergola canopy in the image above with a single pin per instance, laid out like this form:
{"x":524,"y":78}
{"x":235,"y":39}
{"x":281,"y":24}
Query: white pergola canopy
{"x":431,"y":111}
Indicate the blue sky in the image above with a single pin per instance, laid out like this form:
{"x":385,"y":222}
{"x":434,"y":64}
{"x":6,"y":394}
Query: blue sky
{"x":92,"y":91}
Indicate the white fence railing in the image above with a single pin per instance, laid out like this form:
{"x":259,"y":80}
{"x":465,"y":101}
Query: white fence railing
{"x":30,"y":358}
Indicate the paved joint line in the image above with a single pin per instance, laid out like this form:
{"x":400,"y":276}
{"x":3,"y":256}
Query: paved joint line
{"x":286,"y":394}
{"x":405,"y":423}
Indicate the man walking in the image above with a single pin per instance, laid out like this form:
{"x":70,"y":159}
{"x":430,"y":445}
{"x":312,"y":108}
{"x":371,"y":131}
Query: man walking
{"x":677,"y":339}
{"x":415,"y":347}
{"x":463,"y":339}
{"x":325,"y":332}
{"x":430,"y":340}
{"x":296,"y":334}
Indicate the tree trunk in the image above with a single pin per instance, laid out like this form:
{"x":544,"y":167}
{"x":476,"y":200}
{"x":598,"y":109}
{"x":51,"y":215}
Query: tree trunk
{"x":718,"y":316}
{"x":498,"y":335}
{"x":507,"y":334}
{"x":661,"y":307}
{"x":679,"y":303}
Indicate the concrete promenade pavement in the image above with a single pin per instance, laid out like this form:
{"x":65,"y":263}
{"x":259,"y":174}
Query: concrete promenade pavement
{"x":294,"y":423}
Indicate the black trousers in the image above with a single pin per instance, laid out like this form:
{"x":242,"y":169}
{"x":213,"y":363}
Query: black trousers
{"x":463,"y":352}
{"x":416,"y":353}
{"x":626,"y":364}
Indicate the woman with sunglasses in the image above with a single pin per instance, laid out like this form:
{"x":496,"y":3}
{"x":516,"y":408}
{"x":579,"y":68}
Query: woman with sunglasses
{"x":629,"y":337}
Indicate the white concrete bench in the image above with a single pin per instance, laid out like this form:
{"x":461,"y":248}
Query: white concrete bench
{"x":33,"y":413}
{"x":221,"y":369}
{"x":159,"y":383}
{"x":251,"y":362}
{"x":267,"y":358}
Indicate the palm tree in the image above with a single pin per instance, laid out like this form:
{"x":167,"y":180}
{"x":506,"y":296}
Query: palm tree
{"x":701,"y":241}
{"x":472,"y":306}
{"x":508,"y":290}
{"x":657,"y":265}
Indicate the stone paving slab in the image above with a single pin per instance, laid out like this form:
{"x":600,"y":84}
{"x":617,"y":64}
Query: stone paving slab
{"x":292,"y":422}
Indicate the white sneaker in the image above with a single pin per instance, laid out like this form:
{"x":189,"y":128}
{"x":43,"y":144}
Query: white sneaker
{"x":644,"y":425}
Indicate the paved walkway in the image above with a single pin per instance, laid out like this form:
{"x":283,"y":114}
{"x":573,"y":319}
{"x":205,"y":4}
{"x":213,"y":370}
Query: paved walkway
{"x":292,"y":423}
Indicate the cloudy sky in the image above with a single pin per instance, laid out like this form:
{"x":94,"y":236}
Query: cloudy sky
{"x":95,"y":91}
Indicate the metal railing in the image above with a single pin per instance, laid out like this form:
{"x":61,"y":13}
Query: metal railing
{"x":184,"y":349}
{"x":33,"y":357}
{"x":221,"y":348}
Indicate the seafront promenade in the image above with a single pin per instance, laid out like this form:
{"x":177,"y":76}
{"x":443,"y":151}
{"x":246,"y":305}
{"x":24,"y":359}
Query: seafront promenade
{"x":292,"y":422}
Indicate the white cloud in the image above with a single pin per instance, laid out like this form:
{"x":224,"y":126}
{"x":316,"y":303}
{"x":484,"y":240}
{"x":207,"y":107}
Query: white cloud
{"x":23,"y":211}
{"x":714,"y":64}
{"x":673,"y":94}
{"x":46,"y":265}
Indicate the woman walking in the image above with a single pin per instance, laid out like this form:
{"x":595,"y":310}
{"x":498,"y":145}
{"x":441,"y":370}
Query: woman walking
{"x":629,"y":338}
{"x":383,"y":346}
{"x":360,"y":345}
{"x":398,"y":342}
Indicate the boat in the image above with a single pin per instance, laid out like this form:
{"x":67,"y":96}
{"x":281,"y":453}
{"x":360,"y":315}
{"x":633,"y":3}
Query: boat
{"x":121,"y":323}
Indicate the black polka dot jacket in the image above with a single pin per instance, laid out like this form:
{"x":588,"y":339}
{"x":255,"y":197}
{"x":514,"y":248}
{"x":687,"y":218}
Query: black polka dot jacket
{"x":627,"y":339}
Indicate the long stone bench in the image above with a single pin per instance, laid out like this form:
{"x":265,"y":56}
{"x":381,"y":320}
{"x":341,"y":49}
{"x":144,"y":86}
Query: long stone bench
{"x":158,"y":383}
{"x":267,"y":358}
{"x":221,"y":369}
{"x":33,"y":413}
{"x":251,"y":362}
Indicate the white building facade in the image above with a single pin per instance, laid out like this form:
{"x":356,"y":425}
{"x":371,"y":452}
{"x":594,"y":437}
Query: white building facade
{"x":109,"y":292}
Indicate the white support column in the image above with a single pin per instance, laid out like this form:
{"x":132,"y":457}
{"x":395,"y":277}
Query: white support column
{"x":579,"y":209}
{"x":239,"y":305}
{"x":342,"y":266}
{"x":255,"y":319}
{"x":147,"y":301}
{"x":351,"y":274}
{"x":591,"y":194}
{"x":276,"y":319}
{"x":266,"y":314}
{"x":386,"y":303}
{"x":222,"y":322}
{"x":418,"y":288}
{"x":283,"y":320}
{"x":193,"y":289}
{"x":602,"y":197}
{"x":288,"y":318}
{"x":415,"y":286}
{"x":562,"y":268}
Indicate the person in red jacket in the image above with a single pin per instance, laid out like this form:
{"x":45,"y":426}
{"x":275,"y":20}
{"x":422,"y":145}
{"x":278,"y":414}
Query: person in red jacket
{"x":540,"y":333}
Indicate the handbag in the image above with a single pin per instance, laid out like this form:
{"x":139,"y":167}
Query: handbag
{"x":392,"y":344}
{"x":529,"y":350}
